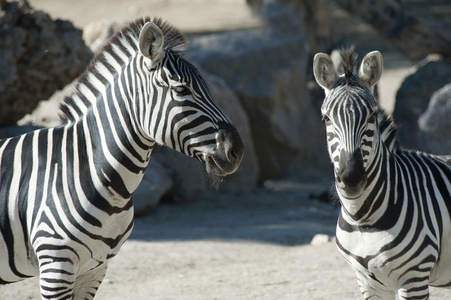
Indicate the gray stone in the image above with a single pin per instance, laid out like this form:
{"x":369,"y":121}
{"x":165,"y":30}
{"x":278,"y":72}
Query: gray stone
{"x":435,"y":123}
{"x":320,"y":239}
{"x":413,"y":97}
{"x":155,"y":184}
{"x":97,"y":33}
{"x":190,"y":180}
{"x":47,"y":112}
{"x":38,"y":56}
{"x":267,"y":69}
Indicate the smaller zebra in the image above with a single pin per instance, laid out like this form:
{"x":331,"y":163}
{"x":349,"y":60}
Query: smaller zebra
{"x":394,"y":228}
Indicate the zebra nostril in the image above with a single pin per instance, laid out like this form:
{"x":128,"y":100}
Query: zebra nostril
{"x":232,"y":156}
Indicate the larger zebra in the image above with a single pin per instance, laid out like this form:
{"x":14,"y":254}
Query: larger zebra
{"x":394,"y":227}
{"x":65,"y":192}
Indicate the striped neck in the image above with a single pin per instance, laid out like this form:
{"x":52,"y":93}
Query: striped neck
{"x":103,"y":110}
{"x":382,"y":172}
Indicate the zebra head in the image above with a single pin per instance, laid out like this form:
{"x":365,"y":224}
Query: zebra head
{"x":350,"y":113}
{"x":180,"y":111}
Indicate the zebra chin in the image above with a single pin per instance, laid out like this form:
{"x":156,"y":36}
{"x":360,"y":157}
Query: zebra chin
{"x":219,"y":167}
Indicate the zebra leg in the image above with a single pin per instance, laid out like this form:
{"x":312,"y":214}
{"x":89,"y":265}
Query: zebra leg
{"x":86,"y":285}
{"x":417,"y":292}
{"x":372,"y":290}
{"x":414,"y":284}
{"x":59,"y":283}
{"x":56,"y":279}
{"x":58,"y":268}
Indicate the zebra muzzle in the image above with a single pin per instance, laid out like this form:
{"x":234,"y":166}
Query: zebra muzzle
{"x":351,"y":176}
{"x":227,"y":157}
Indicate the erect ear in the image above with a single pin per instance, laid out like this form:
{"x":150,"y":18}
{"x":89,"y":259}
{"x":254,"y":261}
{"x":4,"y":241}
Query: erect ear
{"x":151,"y":43}
{"x":371,"y":69}
{"x":324,"y":70}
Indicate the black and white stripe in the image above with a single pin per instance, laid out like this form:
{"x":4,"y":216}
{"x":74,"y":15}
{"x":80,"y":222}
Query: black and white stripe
{"x":394,"y":228}
{"x":65,"y":192}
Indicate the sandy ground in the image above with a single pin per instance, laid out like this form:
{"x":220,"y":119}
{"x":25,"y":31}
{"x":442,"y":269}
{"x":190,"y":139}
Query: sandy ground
{"x":235,"y":247}
{"x":255,"y":246}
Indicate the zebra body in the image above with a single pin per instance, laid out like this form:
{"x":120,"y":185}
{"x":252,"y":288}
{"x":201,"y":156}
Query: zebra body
{"x":66,"y":192}
{"x":394,"y":227}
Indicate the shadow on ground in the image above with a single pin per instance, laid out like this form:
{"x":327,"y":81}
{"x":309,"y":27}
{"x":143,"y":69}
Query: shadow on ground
{"x":284,"y":214}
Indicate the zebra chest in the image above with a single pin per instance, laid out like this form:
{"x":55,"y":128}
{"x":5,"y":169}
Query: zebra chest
{"x":94,"y":236}
{"x":368,"y":256}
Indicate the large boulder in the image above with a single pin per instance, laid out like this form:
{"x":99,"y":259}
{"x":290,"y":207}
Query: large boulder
{"x":155,"y":184}
{"x":266,"y":68}
{"x":97,"y":33}
{"x":38,"y":56}
{"x":413,"y":97}
{"x":435,"y":123}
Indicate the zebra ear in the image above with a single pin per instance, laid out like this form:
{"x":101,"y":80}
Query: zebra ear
{"x":151,"y":43}
{"x":371,"y":68}
{"x":324,"y":71}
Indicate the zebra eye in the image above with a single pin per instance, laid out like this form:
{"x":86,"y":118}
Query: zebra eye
{"x":326,"y":120}
{"x":182,"y":90}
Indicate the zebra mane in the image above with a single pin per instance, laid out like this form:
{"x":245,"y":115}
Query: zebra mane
{"x":389,"y":130}
{"x":174,"y":41}
{"x":349,"y":63}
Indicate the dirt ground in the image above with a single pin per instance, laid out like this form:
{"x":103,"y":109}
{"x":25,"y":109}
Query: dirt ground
{"x":244,"y":247}
{"x":255,"y":246}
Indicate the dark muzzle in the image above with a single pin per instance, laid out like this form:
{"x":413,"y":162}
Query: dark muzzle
{"x":228,"y":154}
{"x":351,"y":173}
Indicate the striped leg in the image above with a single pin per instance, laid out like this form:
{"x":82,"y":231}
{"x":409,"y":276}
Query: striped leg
{"x":416,"y":288}
{"x":373,"y":290}
{"x":58,"y":266}
{"x":86,"y":286}
{"x":56,"y":281}
{"x":406,"y":294}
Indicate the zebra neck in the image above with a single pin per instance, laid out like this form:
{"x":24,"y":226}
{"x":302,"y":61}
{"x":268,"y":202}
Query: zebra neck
{"x":104,"y":115}
{"x":382,"y":188}
{"x":113,"y":157}
{"x":380,"y":192}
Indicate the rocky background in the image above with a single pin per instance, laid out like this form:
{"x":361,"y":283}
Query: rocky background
{"x":259,"y":73}
{"x":256,"y":56}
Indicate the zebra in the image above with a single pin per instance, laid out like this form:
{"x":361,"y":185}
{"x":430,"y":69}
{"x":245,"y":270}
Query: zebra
{"x":394,"y":226}
{"x":66,"y":192}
